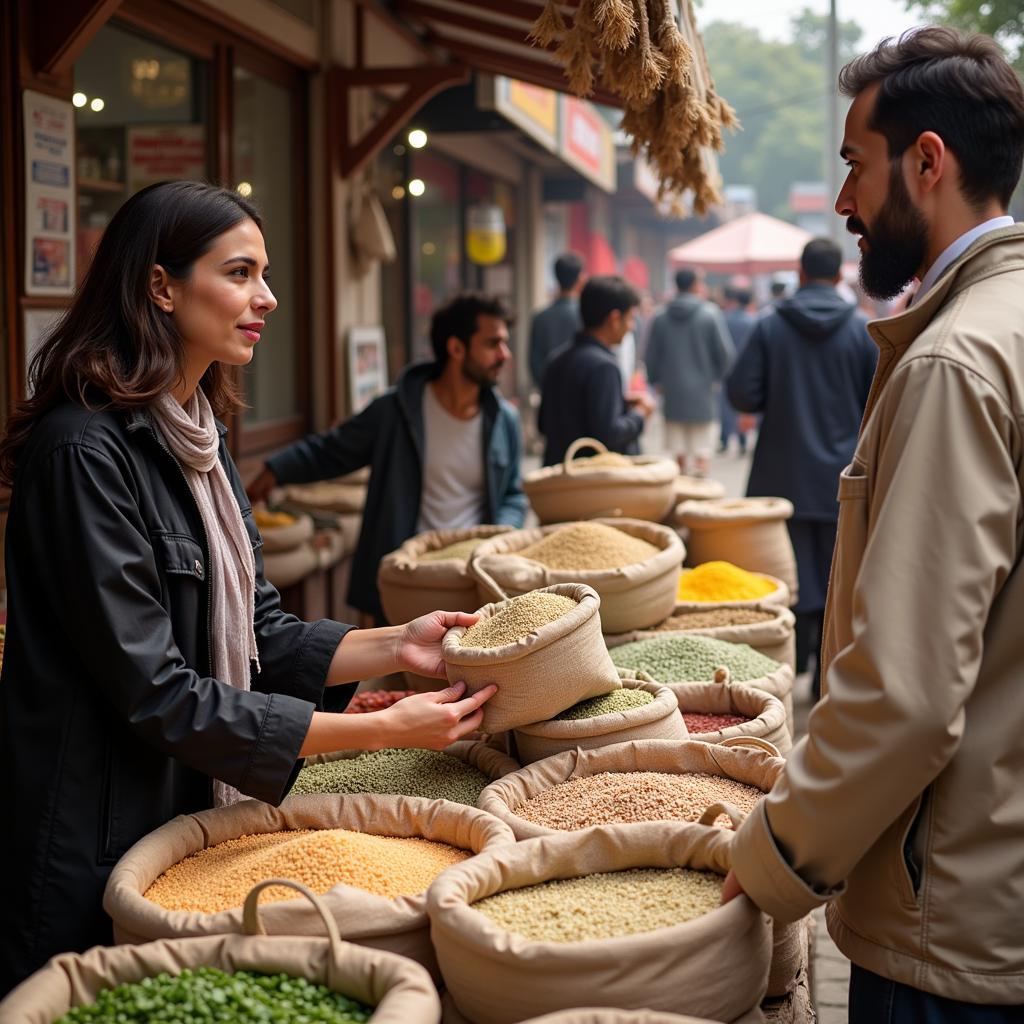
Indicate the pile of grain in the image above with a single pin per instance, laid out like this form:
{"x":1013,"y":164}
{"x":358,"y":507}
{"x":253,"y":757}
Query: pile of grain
{"x":618,"y":700}
{"x":516,"y":619}
{"x":678,"y":659}
{"x":713,"y":618}
{"x":588,"y":546}
{"x":460,"y":550}
{"x":722,"y":581}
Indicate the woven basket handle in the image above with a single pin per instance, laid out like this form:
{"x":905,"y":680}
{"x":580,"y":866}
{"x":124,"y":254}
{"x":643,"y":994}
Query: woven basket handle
{"x":735,"y":815}
{"x":751,"y":741}
{"x":577,"y":445}
{"x":253,"y":925}
{"x":486,"y":580}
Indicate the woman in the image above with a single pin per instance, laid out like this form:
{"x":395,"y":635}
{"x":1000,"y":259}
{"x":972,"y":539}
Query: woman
{"x":149,"y":669}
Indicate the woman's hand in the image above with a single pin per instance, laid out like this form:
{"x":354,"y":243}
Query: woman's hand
{"x":419,"y":644}
{"x":434,"y":720}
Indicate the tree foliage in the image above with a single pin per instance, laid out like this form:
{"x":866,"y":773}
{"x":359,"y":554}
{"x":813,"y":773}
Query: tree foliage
{"x":1002,"y":19}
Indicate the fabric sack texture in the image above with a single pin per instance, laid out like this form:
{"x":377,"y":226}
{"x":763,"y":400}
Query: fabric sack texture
{"x":450,"y":1014}
{"x":695,"y":488}
{"x":286,"y":568}
{"x":327,"y":496}
{"x":749,"y":532}
{"x":542,"y":674}
{"x":766,"y":713}
{"x":632,"y":596}
{"x":410,"y":588}
{"x":713,"y":966}
{"x":573,"y":489}
{"x":659,"y":720}
{"x":401,"y":990}
{"x":287,"y":538}
{"x":395,"y":925}
{"x":774,"y":638}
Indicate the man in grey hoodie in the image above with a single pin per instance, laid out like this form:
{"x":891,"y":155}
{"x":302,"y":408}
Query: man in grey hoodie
{"x":688,"y":354}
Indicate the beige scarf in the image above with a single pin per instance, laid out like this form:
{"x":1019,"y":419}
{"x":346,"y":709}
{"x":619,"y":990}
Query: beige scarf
{"x":191,"y":434}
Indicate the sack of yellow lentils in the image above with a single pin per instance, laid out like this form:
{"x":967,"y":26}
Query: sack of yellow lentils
{"x":429,"y":572}
{"x":714,"y":712}
{"x":641,"y":710}
{"x":606,"y":484}
{"x":634,"y":566}
{"x":724,"y":585}
{"x":542,"y":649}
{"x":749,"y":532}
{"x":519,"y":922}
{"x":371,"y":859}
{"x":322,"y":974}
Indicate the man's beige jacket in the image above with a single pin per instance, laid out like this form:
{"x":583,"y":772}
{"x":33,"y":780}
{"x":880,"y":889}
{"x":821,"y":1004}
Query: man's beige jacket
{"x":905,"y":803}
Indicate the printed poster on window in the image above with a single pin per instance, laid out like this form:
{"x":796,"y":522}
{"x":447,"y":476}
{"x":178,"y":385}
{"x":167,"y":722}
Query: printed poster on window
{"x":49,"y":195}
{"x":367,"y":366}
{"x":170,"y":152}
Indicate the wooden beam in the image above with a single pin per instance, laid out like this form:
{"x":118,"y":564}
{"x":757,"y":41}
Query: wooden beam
{"x":442,"y":15}
{"x":61,"y":31}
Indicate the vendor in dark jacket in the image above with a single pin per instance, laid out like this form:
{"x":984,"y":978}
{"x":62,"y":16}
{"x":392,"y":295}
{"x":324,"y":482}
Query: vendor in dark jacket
{"x":582,"y":394}
{"x":807,"y":367}
{"x":149,"y":668}
{"x":443,"y":445}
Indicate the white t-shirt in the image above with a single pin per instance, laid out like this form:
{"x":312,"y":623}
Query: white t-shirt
{"x":453,"y":468}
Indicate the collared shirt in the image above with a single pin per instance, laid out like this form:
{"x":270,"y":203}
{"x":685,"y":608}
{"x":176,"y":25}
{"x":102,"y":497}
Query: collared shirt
{"x":957,"y":249}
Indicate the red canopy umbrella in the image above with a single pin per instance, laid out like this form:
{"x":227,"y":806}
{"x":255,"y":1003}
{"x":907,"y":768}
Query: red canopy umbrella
{"x":752,"y":244}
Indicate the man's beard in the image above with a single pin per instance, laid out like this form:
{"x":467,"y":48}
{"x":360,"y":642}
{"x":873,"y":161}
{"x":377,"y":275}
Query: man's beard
{"x":896,"y":243}
{"x":479,"y":375}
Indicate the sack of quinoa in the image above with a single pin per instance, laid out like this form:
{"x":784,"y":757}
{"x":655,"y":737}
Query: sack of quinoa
{"x":429,"y":572}
{"x":634,"y":566}
{"x":641,"y":710}
{"x":370,"y":858}
{"x":317,"y":978}
{"x":520,"y":922}
{"x":543,"y":649}
{"x":459,"y":773}
{"x":750,"y":532}
{"x":714,"y":712}
{"x":605,"y":484}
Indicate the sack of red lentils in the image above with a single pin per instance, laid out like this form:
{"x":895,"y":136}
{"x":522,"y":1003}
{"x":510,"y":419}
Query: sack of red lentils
{"x":634,"y":566}
{"x":370,"y":858}
{"x":714,"y":712}
{"x":641,"y":710}
{"x":543,"y":649}
{"x":606,"y":484}
{"x":429,"y":573}
{"x":519,"y":921}
{"x":394,"y":989}
{"x":749,"y":532}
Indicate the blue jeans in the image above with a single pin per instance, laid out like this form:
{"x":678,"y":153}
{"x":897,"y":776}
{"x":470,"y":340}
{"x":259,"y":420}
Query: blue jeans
{"x":876,"y":1000}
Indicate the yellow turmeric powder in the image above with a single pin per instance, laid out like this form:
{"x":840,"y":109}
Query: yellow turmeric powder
{"x":722,"y":581}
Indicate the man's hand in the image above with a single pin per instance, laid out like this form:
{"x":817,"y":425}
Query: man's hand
{"x":434,"y":720}
{"x":260,"y":488}
{"x":642,"y":403}
{"x":419,"y":643}
{"x":731,"y":889}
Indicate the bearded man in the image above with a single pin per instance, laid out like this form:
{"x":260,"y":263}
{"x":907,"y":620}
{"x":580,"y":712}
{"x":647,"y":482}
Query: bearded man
{"x":443,"y":445}
{"x":903,"y":807}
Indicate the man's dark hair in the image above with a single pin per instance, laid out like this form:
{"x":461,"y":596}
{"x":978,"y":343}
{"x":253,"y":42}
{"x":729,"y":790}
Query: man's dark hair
{"x":458,"y":317}
{"x":686,"y":278}
{"x":821,"y":260}
{"x":960,"y":87}
{"x":603,"y":295}
{"x":568,"y":268}
{"x":778,"y":289}
{"x":742,"y":296}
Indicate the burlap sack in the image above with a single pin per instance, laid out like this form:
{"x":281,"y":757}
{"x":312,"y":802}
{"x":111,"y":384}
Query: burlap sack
{"x":287,"y":538}
{"x":780,"y":597}
{"x":410,"y":588}
{"x":632,"y":597}
{"x":766,"y":713}
{"x":749,"y":532}
{"x":398,"y":925}
{"x":541,"y":675}
{"x":401,"y":990}
{"x":696,"y":488}
{"x":753,"y":767}
{"x":659,"y":720}
{"x":645,"y":489}
{"x":286,"y":568}
{"x":327,"y":496}
{"x":595,"y":1015}
{"x":774,"y":638}
{"x":713,"y":966}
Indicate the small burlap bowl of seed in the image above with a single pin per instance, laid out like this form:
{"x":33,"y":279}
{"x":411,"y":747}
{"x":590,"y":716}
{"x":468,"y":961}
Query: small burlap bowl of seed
{"x":606,"y":484}
{"x":631,"y":912}
{"x":459,"y":773}
{"x":313,"y":975}
{"x":634,"y":566}
{"x":641,"y":710}
{"x":429,"y":572}
{"x":543,"y":650}
{"x":715,"y":713}
{"x":370,"y":858}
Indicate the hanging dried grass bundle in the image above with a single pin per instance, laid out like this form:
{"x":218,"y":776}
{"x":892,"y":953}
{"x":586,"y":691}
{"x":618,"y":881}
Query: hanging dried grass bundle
{"x":616,"y":23}
{"x":576,"y":50}
{"x":670,"y":40}
{"x":550,"y":27}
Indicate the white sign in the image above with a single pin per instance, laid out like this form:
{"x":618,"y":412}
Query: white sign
{"x":367,"y":366}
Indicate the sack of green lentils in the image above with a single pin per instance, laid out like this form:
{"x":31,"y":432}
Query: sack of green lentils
{"x":364,"y":854}
{"x":750,"y":532}
{"x":543,"y":649}
{"x":634,"y":566}
{"x":714,"y":712}
{"x":641,"y":710}
{"x":606,"y":484}
{"x":520,"y":921}
{"x":393,"y":989}
{"x":429,"y":572}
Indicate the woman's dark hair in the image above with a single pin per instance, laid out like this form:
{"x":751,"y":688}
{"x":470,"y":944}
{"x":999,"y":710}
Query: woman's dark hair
{"x":115,"y":347}
{"x":602,"y":296}
{"x":959,"y":86}
{"x":458,"y":318}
